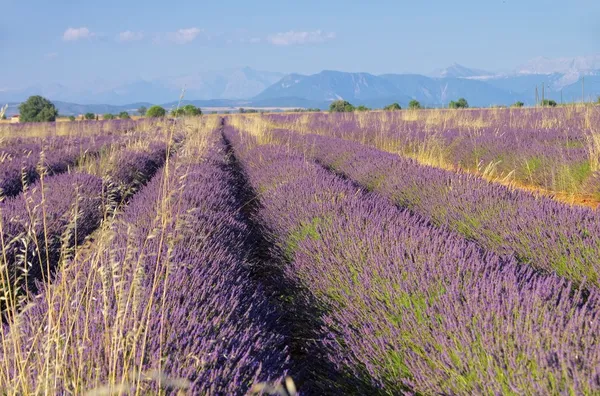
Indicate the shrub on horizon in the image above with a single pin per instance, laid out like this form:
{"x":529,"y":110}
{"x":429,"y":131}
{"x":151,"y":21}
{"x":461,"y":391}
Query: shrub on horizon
{"x":71,"y":118}
{"x":414,"y":104}
{"x":177,"y":112}
{"x":124,"y":115}
{"x":459,"y":104}
{"x":156,"y":112}
{"x":142,"y":110}
{"x":518,"y":104}
{"x":362,"y":108}
{"x":89,"y":116}
{"x":37,"y":109}
{"x":191,"y":110}
{"x":392,"y":107}
{"x":341,"y":106}
{"x":548,"y":103}
{"x":108,"y":117}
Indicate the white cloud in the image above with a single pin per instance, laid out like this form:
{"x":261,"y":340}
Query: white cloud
{"x":74,"y":34}
{"x":184,"y":36}
{"x":293,"y":37}
{"x":128,"y":35}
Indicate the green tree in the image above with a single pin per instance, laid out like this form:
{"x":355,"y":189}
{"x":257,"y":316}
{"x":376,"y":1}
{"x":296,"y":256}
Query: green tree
{"x":362,"y":108}
{"x":459,"y":104}
{"x":598,"y":101}
{"x":124,"y":115}
{"x":142,"y":110}
{"x":548,"y":103}
{"x":178,"y":112}
{"x":414,"y":104}
{"x":341,"y":106}
{"x":156,"y":112}
{"x":518,"y":104}
{"x":37,"y":109}
{"x":392,"y":107}
{"x":108,"y":117}
{"x":89,"y":116}
{"x":71,"y":118}
{"x":191,"y":110}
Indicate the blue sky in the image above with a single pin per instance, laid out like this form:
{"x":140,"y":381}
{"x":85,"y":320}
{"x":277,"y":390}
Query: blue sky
{"x":77,"y":40}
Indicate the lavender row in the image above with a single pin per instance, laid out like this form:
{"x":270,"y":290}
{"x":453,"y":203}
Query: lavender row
{"x":538,"y":231}
{"x":410,"y":307}
{"x":60,"y":211}
{"x":179,"y":249}
{"x":549,"y":148}
{"x":21,"y":164}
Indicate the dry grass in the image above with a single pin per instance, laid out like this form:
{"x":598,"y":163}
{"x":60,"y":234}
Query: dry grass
{"x":61,"y":335}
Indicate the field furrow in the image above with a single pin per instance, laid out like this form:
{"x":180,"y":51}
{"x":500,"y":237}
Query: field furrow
{"x":164,"y":300}
{"x":45,"y":223}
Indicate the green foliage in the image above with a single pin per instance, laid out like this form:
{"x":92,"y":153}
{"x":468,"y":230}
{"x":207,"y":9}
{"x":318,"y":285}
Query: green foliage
{"x":156,"y":112}
{"x":362,"y":108}
{"x":142,"y":111}
{"x":548,"y":103}
{"x":414,"y":104}
{"x":37,"y":109}
{"x":598,"y":101}
{"x":108,"y":117}
{"x":124,"y":115}
{"x":191,"y":111}
{"x":247,"y":111}
{"x":89,"y":116}
{"x":4,"y":116}
{"x":177,"y":112}
{"x":518,"y":104}
{"x":393,"y":107}
{"x":188,"y":110}
{"x":71,"y":118}
{"x":459,"y":104}
{"x":341,"y":106}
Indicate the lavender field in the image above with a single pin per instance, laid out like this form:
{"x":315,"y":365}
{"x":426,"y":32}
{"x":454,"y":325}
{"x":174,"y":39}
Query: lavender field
{"x":429,"y":252}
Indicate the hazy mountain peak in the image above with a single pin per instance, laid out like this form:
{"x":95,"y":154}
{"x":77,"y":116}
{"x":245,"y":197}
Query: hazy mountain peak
{"x":458,"y":71}
{"x":566,"y":65}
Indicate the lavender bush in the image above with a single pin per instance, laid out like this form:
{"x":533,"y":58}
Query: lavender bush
{"x":539,"y":231}
{"x":545,"y":148}
{"x":165,"y":300}
{"x":411,"y":307}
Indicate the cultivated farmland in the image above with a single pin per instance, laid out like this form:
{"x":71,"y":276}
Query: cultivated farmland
{"x":429,"y":252}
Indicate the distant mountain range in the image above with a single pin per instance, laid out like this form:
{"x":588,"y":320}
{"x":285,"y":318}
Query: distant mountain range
{"x":246,"y":87}
{"x":240,"y":83}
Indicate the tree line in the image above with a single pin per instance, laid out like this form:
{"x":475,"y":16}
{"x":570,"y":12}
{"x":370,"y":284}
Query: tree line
{"x":39,"y":109}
